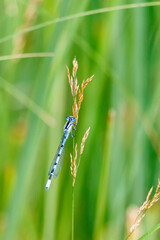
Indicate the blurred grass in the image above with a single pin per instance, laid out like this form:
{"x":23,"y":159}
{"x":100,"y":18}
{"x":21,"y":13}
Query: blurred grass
{"x":122,"y":49}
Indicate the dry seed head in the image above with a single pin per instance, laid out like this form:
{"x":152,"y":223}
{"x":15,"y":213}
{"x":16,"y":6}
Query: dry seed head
{"x":130,"y":221}
{"x":73,"y":166}
{"x":75,"y":67}
{"x":141,"y":209}
{"x":87,"y":81}
{"x":73,"y":82}
{"x":83,"y":140}
{"x":158,"y":186}
{"x":135,"y":225}
{"x":70,"y":80}
{"x":68,"y":75}
{"x":76,"y":87}
{"x":149,"y":194}
{"x":75,"y":110}
{"x":71,"y":163}
{"x":72,"y":86}
{"x":145,"y":206}
{"x":83,"y":86}
{"x":154,"y":200}
{"x":75,"y":157}
{"x":80,"y":99}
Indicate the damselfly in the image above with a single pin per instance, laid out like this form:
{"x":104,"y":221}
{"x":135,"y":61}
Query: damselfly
{"x":57,"y":162}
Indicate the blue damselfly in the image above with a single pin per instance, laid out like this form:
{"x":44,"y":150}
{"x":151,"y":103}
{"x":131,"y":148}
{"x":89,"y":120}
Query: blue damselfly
{"x":57,"y":162}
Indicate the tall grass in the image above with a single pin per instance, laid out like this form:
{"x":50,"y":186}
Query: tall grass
{"x":120,"y":45}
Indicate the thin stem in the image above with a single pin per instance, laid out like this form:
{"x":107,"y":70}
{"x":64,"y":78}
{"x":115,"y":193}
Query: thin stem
{"x":155,"y":228}
{"x":73,"y":146}
{"x":72,"y":213}
{"x":73,"y":197}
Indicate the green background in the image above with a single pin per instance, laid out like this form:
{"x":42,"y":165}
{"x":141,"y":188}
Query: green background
{"x":121,"y":158}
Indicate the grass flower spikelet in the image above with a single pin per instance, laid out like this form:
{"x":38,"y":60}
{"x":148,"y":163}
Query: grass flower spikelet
{"x":83,"y":140}
{"x":144,"y":208}
{"x":77,"y":93}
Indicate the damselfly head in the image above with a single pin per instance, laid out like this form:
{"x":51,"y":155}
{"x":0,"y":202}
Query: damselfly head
{"x":71,"y":119}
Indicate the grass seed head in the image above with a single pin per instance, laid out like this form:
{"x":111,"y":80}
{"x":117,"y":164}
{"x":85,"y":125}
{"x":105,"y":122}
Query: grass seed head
{"x":83,"y":86}
{"x":74,"y":166}
{"x":84,"y":140}
{"x":70,"y":80}
{"x":77,"y":94}
{"x":75,"y":110}
{"x":144,"y":208}
{"x":75,"y":67}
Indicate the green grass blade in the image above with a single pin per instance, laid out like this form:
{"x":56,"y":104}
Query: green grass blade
{"x":154,"y":229}
{"x":79,"y":15}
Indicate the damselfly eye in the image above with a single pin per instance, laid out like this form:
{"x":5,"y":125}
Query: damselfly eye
{"x":67,"y":118}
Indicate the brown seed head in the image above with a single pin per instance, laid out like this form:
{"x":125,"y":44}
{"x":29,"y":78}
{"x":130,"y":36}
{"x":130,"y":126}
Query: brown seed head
{"x":70,"y":80}
{"x":144,"y":208}
{"x":75,"y":67}
{"x":77,"y":94}
{"x":74,"y":166}
{"x":75,"y":110}
{"x":71,"y":164}
{"x":76,"y":87}
{"x":158,"y":186}
{"x":87,"y":81}
{"x":73,"y":82}
{"x":83,"y":86}
{"x":83,"y":140}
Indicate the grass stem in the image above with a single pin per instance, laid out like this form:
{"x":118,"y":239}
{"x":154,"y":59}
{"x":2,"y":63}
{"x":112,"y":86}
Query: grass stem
{"x":72,"y":213}
{"x":73,"y":197}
